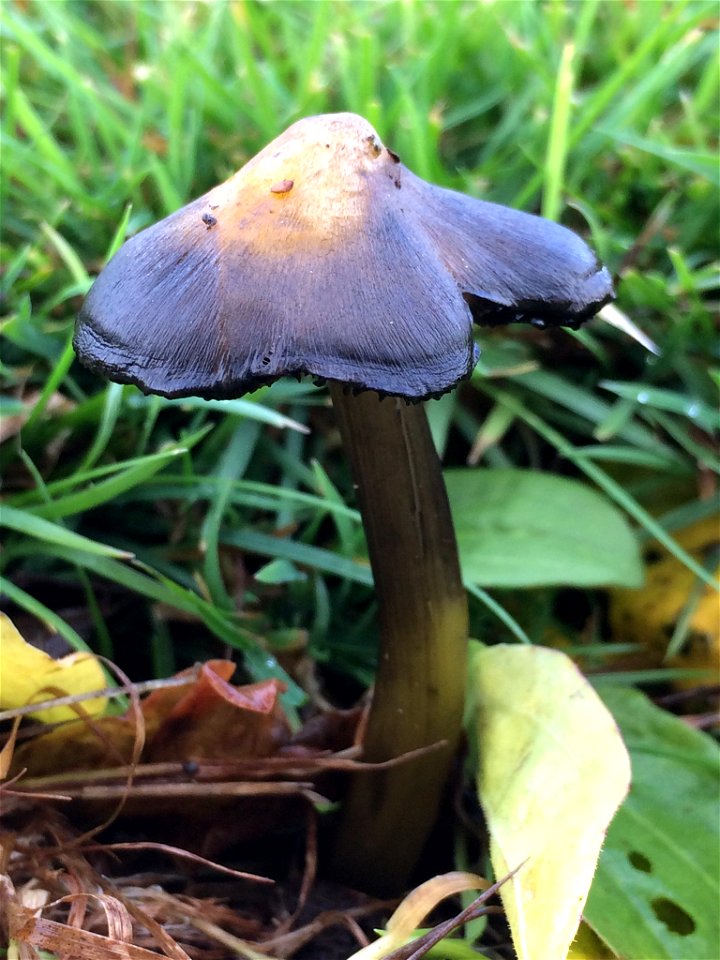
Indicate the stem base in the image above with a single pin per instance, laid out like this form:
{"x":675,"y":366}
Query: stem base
{"x":423,"y":623}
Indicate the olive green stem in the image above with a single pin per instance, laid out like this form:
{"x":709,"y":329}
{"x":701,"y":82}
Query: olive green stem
{"x":423,"y":625}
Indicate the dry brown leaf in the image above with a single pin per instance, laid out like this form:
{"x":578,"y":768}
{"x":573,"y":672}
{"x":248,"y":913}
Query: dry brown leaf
{"x":210,"y":718}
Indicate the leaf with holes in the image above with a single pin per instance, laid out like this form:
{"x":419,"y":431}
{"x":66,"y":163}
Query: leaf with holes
{"x":656,"y":889}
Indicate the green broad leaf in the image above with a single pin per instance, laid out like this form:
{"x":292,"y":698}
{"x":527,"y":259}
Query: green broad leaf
{"x":523,"y":528}
{"x":551,"y":771}
{"x":655,"y":893}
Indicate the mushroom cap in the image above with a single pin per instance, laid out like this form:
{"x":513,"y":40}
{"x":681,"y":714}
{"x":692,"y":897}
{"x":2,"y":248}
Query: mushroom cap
{"x":325,"y":255}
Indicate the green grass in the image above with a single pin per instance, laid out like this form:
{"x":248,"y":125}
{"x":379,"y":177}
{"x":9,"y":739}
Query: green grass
{"x":601,"y":115}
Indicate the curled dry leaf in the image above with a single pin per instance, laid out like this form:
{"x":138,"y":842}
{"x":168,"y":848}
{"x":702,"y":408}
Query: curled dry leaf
{"x":209,"y":719}
{"x":415,"y":907}
{"x":218,"y":765}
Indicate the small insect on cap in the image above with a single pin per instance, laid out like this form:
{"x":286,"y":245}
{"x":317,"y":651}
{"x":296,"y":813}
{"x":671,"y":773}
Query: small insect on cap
{"x":324,"y":255}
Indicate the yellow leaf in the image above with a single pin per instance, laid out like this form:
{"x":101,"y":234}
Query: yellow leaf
{"x":587,"y":945}
{"x":650,"y":615}
{"x":29,"y":675}
{"x":552,"y":772}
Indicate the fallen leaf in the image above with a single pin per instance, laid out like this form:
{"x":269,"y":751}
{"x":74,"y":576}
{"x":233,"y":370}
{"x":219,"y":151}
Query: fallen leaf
{"x":650,"y":616}
{"x":208,"y":718}
{"x":204,"y":718}
{"x":552,"y":771}
{"x":102,"y":743}
{"x":29,"y":675}
{"x":199,"y":762}
{"x":587,"y":945}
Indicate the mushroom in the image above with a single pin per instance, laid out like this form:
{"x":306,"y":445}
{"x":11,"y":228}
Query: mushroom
{"x":324,"y":255}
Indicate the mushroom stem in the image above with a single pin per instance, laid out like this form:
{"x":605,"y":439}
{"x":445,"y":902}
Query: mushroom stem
{"x":423,"y":624}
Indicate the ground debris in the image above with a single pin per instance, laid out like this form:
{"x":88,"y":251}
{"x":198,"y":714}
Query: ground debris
{"x":185,"y":828}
